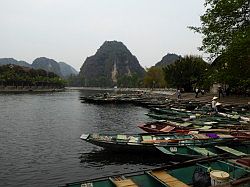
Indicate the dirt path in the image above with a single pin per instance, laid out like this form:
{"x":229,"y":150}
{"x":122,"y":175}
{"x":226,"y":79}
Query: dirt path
{"x":238,"y":100}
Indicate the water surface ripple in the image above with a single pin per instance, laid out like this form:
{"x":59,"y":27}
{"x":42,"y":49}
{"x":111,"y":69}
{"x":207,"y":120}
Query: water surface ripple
{"x":40,"y":145}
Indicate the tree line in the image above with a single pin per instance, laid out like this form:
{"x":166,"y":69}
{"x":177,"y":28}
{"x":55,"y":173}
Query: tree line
{"x":13,"y":75}
{"x":225,"y":27}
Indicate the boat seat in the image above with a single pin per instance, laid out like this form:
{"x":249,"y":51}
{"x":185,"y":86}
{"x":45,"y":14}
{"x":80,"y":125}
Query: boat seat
{"x":225,"y":136}
{"x":123,"y":182}
{"x":202,"y":151}
{"x":164,"y":150}
{"x":206,"y":127}
{"x":185,"y":124}
{"x":167,"y":129}
{"x":121,"y":138}
{"x":133,"y":139}
{"x":200,"y":136}
{"x":167,"y":179}
{"x":146,"y":138}
{"x":231,"y":151}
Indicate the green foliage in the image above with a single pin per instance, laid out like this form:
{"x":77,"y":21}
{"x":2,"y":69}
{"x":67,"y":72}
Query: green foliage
{"x":226,"y":31}
{"x":154,"y":78}
{"x":16,"y":75}
{"x":129,"y":81}
{"x":223,"y":22}
{"x":186,"y":73}
{"x":74,"y":80}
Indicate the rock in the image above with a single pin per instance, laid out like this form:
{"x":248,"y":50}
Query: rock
{"x":168,"y":59}
{"x":5,"y":61}
{"x":111,"y":62}
{"x":47,"y":64}
{"x":67,"y":70}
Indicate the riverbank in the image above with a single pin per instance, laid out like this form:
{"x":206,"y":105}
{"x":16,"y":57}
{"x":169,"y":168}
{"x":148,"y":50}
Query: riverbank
{"x":226,"y":100}
{"x":158,"y":91}
{"x":171,"y":94}
{"x":17,"y":89}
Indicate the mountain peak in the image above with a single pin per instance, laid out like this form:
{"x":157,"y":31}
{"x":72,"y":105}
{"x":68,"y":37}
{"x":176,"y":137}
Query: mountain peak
{"x":112,"y":61}
{"x":67,"y":70}
{"x":168,"y":59}
{"x":4,"y":61}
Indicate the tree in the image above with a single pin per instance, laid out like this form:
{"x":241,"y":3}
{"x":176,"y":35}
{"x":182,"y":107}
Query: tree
{"x":224,"y":24}
{"x":154,"y":78}
{"x":129,"y":81}
{"x":226,"y":31}
{"x":16,"y":76}
{"x":188,"y":72}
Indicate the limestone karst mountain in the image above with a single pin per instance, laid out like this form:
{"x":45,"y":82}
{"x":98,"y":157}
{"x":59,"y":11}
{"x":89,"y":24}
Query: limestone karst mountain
{"x":5,"y":61}
{"x":47,"y":64}
{"x":168,"y":59}
{"x":62,"y":69}
{"x":67,"y":70}
{"x":110,"y":64}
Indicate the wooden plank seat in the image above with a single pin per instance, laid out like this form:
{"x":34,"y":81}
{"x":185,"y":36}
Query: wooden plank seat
{"x":121,"y":181}
{"x":200,"y":136}
{"x":206,"y":127}
{"x":202,"y":151}
{"x":167,"y":179}
{"x":121,"y":138}
{"x":167,"y":129}
{"x":231,"y":151}
{"x":162,"y":149}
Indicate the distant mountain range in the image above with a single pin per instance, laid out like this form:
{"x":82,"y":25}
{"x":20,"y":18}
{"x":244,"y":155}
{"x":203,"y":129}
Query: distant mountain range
{"x":168,"y":59}
{"x":67,"y":70}
{"x":62,"y":69}
{"x":111,"y":64}
{"x":5,"y":61}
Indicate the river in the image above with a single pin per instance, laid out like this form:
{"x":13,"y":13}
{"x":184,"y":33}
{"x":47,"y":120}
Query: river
{"x":40,"y":144}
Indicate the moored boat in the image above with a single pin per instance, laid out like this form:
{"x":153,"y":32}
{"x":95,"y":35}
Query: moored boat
{"x":205,"y":172}
{"x":171,"y":144}
{"x":162,"y":126}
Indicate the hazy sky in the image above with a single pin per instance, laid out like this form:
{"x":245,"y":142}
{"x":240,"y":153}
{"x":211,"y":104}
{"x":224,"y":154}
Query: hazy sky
{"x":72,"y":30}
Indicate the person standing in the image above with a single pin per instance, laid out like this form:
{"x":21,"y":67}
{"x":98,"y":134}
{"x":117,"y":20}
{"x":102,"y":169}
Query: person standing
{"x":214,"y":108}
{"x":178,"y":94}
{"x":196,"y":92}
{"x":220,"y":90}
{"x":202,"y":91}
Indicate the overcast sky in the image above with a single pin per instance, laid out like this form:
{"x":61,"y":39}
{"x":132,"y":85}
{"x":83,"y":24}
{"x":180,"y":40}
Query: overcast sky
{"x":72,"y":30}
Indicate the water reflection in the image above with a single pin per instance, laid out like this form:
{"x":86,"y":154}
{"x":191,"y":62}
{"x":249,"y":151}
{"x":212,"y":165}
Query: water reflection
{"x":40,"y":138}
{"x":104,"y":157}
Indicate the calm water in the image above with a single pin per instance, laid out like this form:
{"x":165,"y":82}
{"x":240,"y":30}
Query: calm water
{"x":40,"y":144}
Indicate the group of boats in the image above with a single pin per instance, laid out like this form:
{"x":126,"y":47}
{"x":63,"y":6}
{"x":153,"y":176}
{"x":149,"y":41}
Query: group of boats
{"x":211,"y":148}
{"x":201,"y":172}
{"x":180,"y":145}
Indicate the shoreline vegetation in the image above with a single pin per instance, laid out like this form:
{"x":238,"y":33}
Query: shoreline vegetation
{"x":17,"y":89}
{"x":15,"y":78}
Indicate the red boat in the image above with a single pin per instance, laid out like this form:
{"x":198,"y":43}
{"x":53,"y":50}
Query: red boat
{"x":162,"y":126}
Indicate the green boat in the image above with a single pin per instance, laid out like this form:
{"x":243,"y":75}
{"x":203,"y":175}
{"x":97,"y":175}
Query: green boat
{"x":195,"y":151}
{"x":177,"y":145}
{"x":206,"y":172}
{"x":201,"y":121}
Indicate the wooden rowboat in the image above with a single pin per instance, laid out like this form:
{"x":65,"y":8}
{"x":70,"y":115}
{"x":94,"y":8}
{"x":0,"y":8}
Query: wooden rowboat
{"x":172,"y":144}
{"x":197,"y":172}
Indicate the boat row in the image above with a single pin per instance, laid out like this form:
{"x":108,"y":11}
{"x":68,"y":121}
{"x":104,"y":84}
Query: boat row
{"x":208,"y":148}
{"x":180,"y":145}
{"x":150,"y":100}
{"x":202,"y":172}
